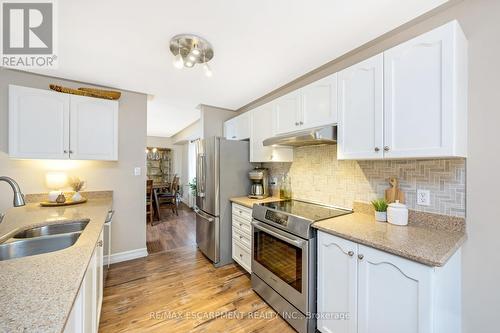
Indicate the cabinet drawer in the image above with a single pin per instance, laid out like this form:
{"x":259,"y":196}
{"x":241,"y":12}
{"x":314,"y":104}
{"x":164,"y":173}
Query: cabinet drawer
{"x":243,"y":212}
{"x":243,"y":225}
{"x":242,"y":256}
{"x":243,"y":237}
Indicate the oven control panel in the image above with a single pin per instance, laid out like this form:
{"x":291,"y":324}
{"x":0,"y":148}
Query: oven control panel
{"x":277,"y":217}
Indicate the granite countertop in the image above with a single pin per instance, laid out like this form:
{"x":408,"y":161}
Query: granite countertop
{"x":37,"y":292}
{"x":417,"y":242}
{"x":247,"y":202}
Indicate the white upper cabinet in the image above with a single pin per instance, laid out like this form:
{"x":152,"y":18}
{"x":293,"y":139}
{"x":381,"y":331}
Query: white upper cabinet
{"x":44,"y":124}
{"x":38,"y":123}
{"x":421,"y":110}
{"x":238,"y":128}
{"x":93,"y":129}
{"x":425,"y":95}
{"x":337,"y":283}
{"x":260,"y":129}
{"x":286,"y":113}
{"x":361,"y":107}
{"x":312,"y":106}
{"x":319,"y":103}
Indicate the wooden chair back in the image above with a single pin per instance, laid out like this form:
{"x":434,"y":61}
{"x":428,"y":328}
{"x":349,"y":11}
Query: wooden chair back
{"x":149,"y":188}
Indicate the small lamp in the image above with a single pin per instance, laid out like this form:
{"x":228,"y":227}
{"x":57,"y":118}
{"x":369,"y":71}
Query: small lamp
{"x":56,"y":181}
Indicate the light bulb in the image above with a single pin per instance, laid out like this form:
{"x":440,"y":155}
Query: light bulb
{"x":192,"y":57}
{"x":207,"y":70}
{"x":189,"y":64}
{"x":178,"y":61}
{"x":195,"y":50}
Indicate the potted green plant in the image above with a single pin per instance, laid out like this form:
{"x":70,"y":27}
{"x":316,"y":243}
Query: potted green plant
{"x":380,"y":206}
{"x":192,"y":186}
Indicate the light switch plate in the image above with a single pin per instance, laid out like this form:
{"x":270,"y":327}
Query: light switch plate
{"x":423,"y":197}
{"x":137,"y":171}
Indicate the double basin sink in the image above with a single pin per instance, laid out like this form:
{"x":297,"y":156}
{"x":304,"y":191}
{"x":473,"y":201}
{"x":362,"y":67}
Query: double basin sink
{"x":43,"y":239}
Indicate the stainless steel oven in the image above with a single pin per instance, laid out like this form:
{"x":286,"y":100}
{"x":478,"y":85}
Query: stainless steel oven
{"x":284,"y":262}
{"x":284,"y":258}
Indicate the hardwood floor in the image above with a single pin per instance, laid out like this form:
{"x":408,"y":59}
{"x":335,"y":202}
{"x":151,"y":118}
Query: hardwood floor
{"x":180,"y":291}
{"x":173,"y":231}
{"x":177,"y":289}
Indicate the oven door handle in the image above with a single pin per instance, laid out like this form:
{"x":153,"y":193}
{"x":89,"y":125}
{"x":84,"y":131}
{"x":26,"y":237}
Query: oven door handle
{"x":296,"y":241}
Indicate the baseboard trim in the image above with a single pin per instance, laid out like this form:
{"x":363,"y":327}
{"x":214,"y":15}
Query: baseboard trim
{"x":125,"y":256}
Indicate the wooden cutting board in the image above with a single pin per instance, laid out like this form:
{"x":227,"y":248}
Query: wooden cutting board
{"x":393,"y":193}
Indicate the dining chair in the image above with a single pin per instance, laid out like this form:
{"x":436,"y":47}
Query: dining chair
{"x":170,"y":198}
{"x":149,"y":200}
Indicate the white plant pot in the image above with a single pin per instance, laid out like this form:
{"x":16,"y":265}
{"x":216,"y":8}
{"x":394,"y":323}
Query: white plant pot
{"x":76,"y":197}
{"x":381,"y":216}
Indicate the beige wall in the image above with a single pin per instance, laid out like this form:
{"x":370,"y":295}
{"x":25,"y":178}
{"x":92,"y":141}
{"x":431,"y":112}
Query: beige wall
{"x":159,"y":142}
{"x":129,"y":232}
{"x":192,"y":132}
{"x":480,"y":20}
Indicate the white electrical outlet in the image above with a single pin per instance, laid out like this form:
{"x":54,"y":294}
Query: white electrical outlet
{"x":137,"y":171}
{"x":423,"y":197}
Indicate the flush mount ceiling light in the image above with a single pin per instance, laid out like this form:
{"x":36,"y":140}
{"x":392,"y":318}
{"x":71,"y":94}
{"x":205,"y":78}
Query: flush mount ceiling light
{"x":189,"y":50}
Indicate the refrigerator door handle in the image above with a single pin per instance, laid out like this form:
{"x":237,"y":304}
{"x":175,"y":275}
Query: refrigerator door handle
{"x":201,"y":180}
{"x":203,"y":215}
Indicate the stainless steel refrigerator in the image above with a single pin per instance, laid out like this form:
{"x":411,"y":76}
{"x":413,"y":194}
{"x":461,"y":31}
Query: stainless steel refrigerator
{"x":222,"y":168}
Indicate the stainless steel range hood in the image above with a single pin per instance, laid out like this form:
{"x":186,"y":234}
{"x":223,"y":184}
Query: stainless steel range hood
{"x":311,"y":137}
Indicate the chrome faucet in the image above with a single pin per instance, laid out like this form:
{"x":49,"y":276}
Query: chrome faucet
{"x":18,"y":195}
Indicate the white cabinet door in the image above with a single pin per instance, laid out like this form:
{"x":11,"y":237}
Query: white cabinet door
{"x":230,"y":129}
{"x":243,"y":126}
{"x":361,"y":107}
{"x":286,"y":113}
{"x":424,"y":116}
{"x":74,"y":324}
{"x":99,"y":281}
{"x":261,"y":129}
{"x":337,"y":284}
{"x":94,"y":129}
{"x":394,"y":295}
{"x":319,"y":103}
{"x":38,"y":123}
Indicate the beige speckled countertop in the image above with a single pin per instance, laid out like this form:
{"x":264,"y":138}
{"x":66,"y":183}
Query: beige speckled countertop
{"x":419,"y":243}
{"x":37,"y":292}
{"x":247,"y":202}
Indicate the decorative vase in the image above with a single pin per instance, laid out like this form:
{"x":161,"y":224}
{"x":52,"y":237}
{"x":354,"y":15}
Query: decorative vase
{"x":76,"y":197}
{"x":381,"y":216}
{"x":61,"y":198}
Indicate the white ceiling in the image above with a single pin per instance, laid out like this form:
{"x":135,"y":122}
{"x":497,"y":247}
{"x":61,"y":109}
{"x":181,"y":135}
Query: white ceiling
{"x":259,"y":46}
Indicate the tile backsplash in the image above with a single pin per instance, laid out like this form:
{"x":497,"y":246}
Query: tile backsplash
{"x":317,"y":175}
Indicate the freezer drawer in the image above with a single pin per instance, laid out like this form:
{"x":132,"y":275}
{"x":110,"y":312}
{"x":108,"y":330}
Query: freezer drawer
{"x":207,"y":235}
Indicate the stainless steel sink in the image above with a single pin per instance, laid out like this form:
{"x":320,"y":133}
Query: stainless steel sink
{"x":53,"y":229}
{"x":37,"y":245}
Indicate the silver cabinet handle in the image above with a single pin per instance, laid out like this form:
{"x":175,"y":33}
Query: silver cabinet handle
{"x":234,"y":136}
{"x":360,"y":256}
{"x":386,"y":148}
{"x":110,"y":216}
{"x":350,"y":253}
{"x":65,"y":151}
{"x":70,"y":151}
{"x":301,"y":123}
{"x":99,"y":243}
{"x":377,"y":149}
{"x":296,"y":123}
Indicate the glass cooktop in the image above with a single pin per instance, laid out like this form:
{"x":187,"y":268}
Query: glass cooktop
{"x":309,"y":211}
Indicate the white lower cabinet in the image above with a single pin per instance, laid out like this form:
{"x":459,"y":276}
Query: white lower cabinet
{"x":242,"y":236}
{"x":86,"y":311}
{"x":382,"y":293}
